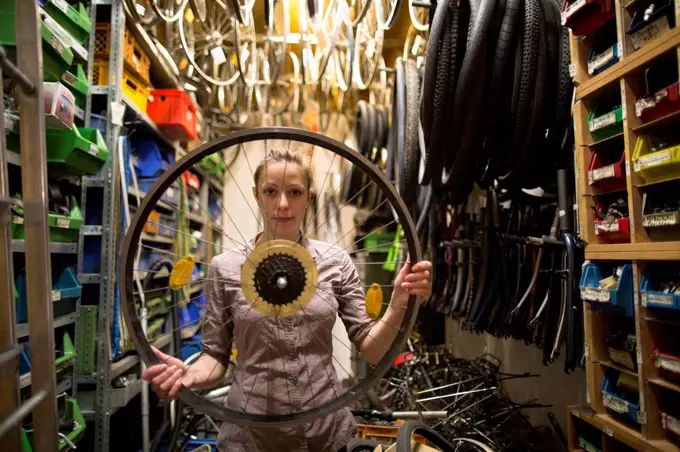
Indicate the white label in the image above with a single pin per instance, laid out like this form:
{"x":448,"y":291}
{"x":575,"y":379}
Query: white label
{"x":17,"y":220}
{"x":602,"y":121}
{"x":61,"y":4}
{"x":664,"y":300}
{"x":619,"y":49}
{"x":615,"y":405}
{"x":621,"y":357}
{"x":596,"y":294}
{"x":668,"y":364}
{"x":657,"y":158}
{"x":141,"y":10}
{"x":650,"y":32}
{"x":603,"y":173}
{"x":220,"y":58}
{"x":660,"y":220}
{"x":56,"y":295}
{"x":572,"y":10}
{"x":671,"y":423}
{"x":93,"y":149}
{"x":170,"y":192}
{"x":587,"y":396}
{"x":607,"y":226}
{"x":56,"y":44}
{"x":69,"y":78}
{"x":627,"y":168}
{"x":600,"y":60}
{"x":643,"y":104}
{"x":586,"y":350}
{"x":63,"y":222}
{"x":608,"y":431}
{"x":417,"y":42}
{"x":572,"y":70}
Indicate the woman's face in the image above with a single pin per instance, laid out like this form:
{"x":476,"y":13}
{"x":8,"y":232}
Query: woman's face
{"x":282,"y":195}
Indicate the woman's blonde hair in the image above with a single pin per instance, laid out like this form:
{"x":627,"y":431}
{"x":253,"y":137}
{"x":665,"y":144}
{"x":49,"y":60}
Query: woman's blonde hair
{"x":286,"y":155}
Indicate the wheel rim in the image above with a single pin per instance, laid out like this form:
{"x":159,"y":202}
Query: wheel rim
{"x":241,"y":139}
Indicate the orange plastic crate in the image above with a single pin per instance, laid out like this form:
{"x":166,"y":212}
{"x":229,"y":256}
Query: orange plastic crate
{"x":134,"y":57}
{"x":136,"y":90}
{"x":174,"y":113}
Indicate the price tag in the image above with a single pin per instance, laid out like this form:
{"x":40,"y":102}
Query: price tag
{"x":62,"y":5}
{"x":648,"y":161}
{"x":602,"y":121}
{"x":603,"y":173}
{"x":417,"y":42}
{"x":63,"y":222}
{"x":220,"y":58}
{"x":572,"y":70}
{"x":650,"y":32}
{"x":658,"y":299}
{"x":56,"y":295}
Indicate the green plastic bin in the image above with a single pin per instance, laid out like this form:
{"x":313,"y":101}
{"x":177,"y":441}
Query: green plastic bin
{"x":69,"y":414}
{"x":75,"y":21}
{"x":79,"y":149}
{"x":75,"y":80}
{"x":63,"y":229}
{"x":214,"y":166}
{"x":57,"y":55}
{"x":605,"y":125}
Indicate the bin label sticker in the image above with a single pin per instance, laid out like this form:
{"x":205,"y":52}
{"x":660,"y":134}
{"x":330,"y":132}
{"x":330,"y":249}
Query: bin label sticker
{"x":94,"y":150}
{"x":615,"y":404}
{"x":671,"y":423}
{"x":664,"y":300}
{"x":621,"y":357}
{"x":17,"y":219}
{"x":668,"y":364}
{"x":607,"y":226}
{"x":603,"y":173}
{"x":572,"y":9}
{"x":56,"y":295}
{"x":658,"y":220}
{"x":603,"y":121}
{"x":69,"y":78}
{"x":62,"y":5}
{"x":650,"y":32}
{"x":63,"y":222}
{"x":657,"y":158}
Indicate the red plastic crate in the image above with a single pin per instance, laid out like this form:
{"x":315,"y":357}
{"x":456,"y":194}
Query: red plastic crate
{"x":174,"y":113}
{"x":660,"y":104}
{"x":605,"y":178}
{"x":586,"y":16}
{"x":617,"y":231}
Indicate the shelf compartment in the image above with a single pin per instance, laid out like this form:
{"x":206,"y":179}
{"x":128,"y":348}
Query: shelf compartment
{"x":650,"y":293}
{"x":599,"y":62}
{"x":606,"y":174}
{"x":667,"y":364}
{"x":645,"y":28}
{"x":586,"y":16}
{"x":658,"y":105}
{"x":133,"y":88}
{"x":63,"y":229}
{"x":135,"y":58}
{"x":613,"y":231}
{"x":74,"y":20}
{"x":79,"y":150}
{"x":658,"y":165}
{"x":615,"y":403}
{"x":619,"y":299}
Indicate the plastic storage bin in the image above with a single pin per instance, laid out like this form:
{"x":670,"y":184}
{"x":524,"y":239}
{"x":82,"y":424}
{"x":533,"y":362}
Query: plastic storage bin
{"x":74,"y":19}
{"x":133,"y":87}
{"x":62,"y":228}
{"x":82,"y":150}
{"x":613,"y":231}
{"x":661,"y":103}
{"x":134,"y":57}
{"x":658,"y":165}
{"x":605,"y":175}
{"x":69,"y":415}
{"x":598,"y":62}
{"x":620,"y":299}
{"x":668,"y":364}
{"x":651,"y":296}
{"x":60,"y":107}
{"x":586,"y":16}
{"x":605,"y":125}
{"x":174,"y":113}
{"x":618,"y":405}
{"x":75,"y":80}
{"x":147,"y":159}
{"x":171,"y":195}
{"x":66,"y":287}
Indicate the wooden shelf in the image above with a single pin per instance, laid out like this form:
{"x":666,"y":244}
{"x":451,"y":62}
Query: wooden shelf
{"x":653,"y":251}
{"x":605,"y":140}
{"x":665,"y":384}
{"x":620,"y":368}
{"x":663,"y":121}
{"x":630,"y":63}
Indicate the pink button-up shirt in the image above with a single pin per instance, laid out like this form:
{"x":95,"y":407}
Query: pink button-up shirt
{"x":285,"y":364}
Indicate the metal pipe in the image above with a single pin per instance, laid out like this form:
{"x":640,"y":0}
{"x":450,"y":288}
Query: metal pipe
{"x":456,"y":394}
{"x":15,"y":74}
{"x":15,"y":418}
{"x":36,"y":228}
{"x":9,"y":378}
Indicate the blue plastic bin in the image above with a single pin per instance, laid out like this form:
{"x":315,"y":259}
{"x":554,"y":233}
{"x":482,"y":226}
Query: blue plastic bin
{"x":615,"y":404}
{"x":67,"y":286}
{"x":148,"y":160}
{"x":98,"y":122}
{"x":620,"y":299}
{"x":654,"y":298}
{"x":170,"y":196}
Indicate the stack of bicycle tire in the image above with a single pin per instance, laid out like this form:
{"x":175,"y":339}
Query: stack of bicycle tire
{"x":496,"y":100}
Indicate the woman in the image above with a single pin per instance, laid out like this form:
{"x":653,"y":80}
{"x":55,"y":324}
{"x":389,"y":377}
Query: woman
{"x":285,"y":363}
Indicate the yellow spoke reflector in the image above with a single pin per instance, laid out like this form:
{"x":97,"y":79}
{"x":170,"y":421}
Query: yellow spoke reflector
{"x":181,"y":272}
{"x":374,"y":300}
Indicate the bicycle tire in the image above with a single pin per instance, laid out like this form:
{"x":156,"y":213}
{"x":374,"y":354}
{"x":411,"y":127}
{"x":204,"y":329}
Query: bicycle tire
{"x":407,"y":430}
{"x":399,"y":118}
{"x":133,"y":236}
{"x":410,"y":159}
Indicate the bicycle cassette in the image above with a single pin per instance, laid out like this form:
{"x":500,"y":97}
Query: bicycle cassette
{"x":279,"y":278}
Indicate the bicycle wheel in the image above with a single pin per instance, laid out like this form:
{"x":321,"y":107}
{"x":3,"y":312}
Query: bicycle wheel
{"x":368,"y":46}
{"x":309,"y":286}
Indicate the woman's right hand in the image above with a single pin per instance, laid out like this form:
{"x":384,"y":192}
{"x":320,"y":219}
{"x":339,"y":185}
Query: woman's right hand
{"x":168,"y":376}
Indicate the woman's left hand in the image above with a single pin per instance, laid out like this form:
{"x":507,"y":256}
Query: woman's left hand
{"x":413,"y":279}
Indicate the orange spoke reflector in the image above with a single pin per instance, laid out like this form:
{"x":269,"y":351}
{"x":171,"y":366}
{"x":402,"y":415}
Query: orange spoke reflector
{"x":181,"y":272}
{"x":374,"y":300}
